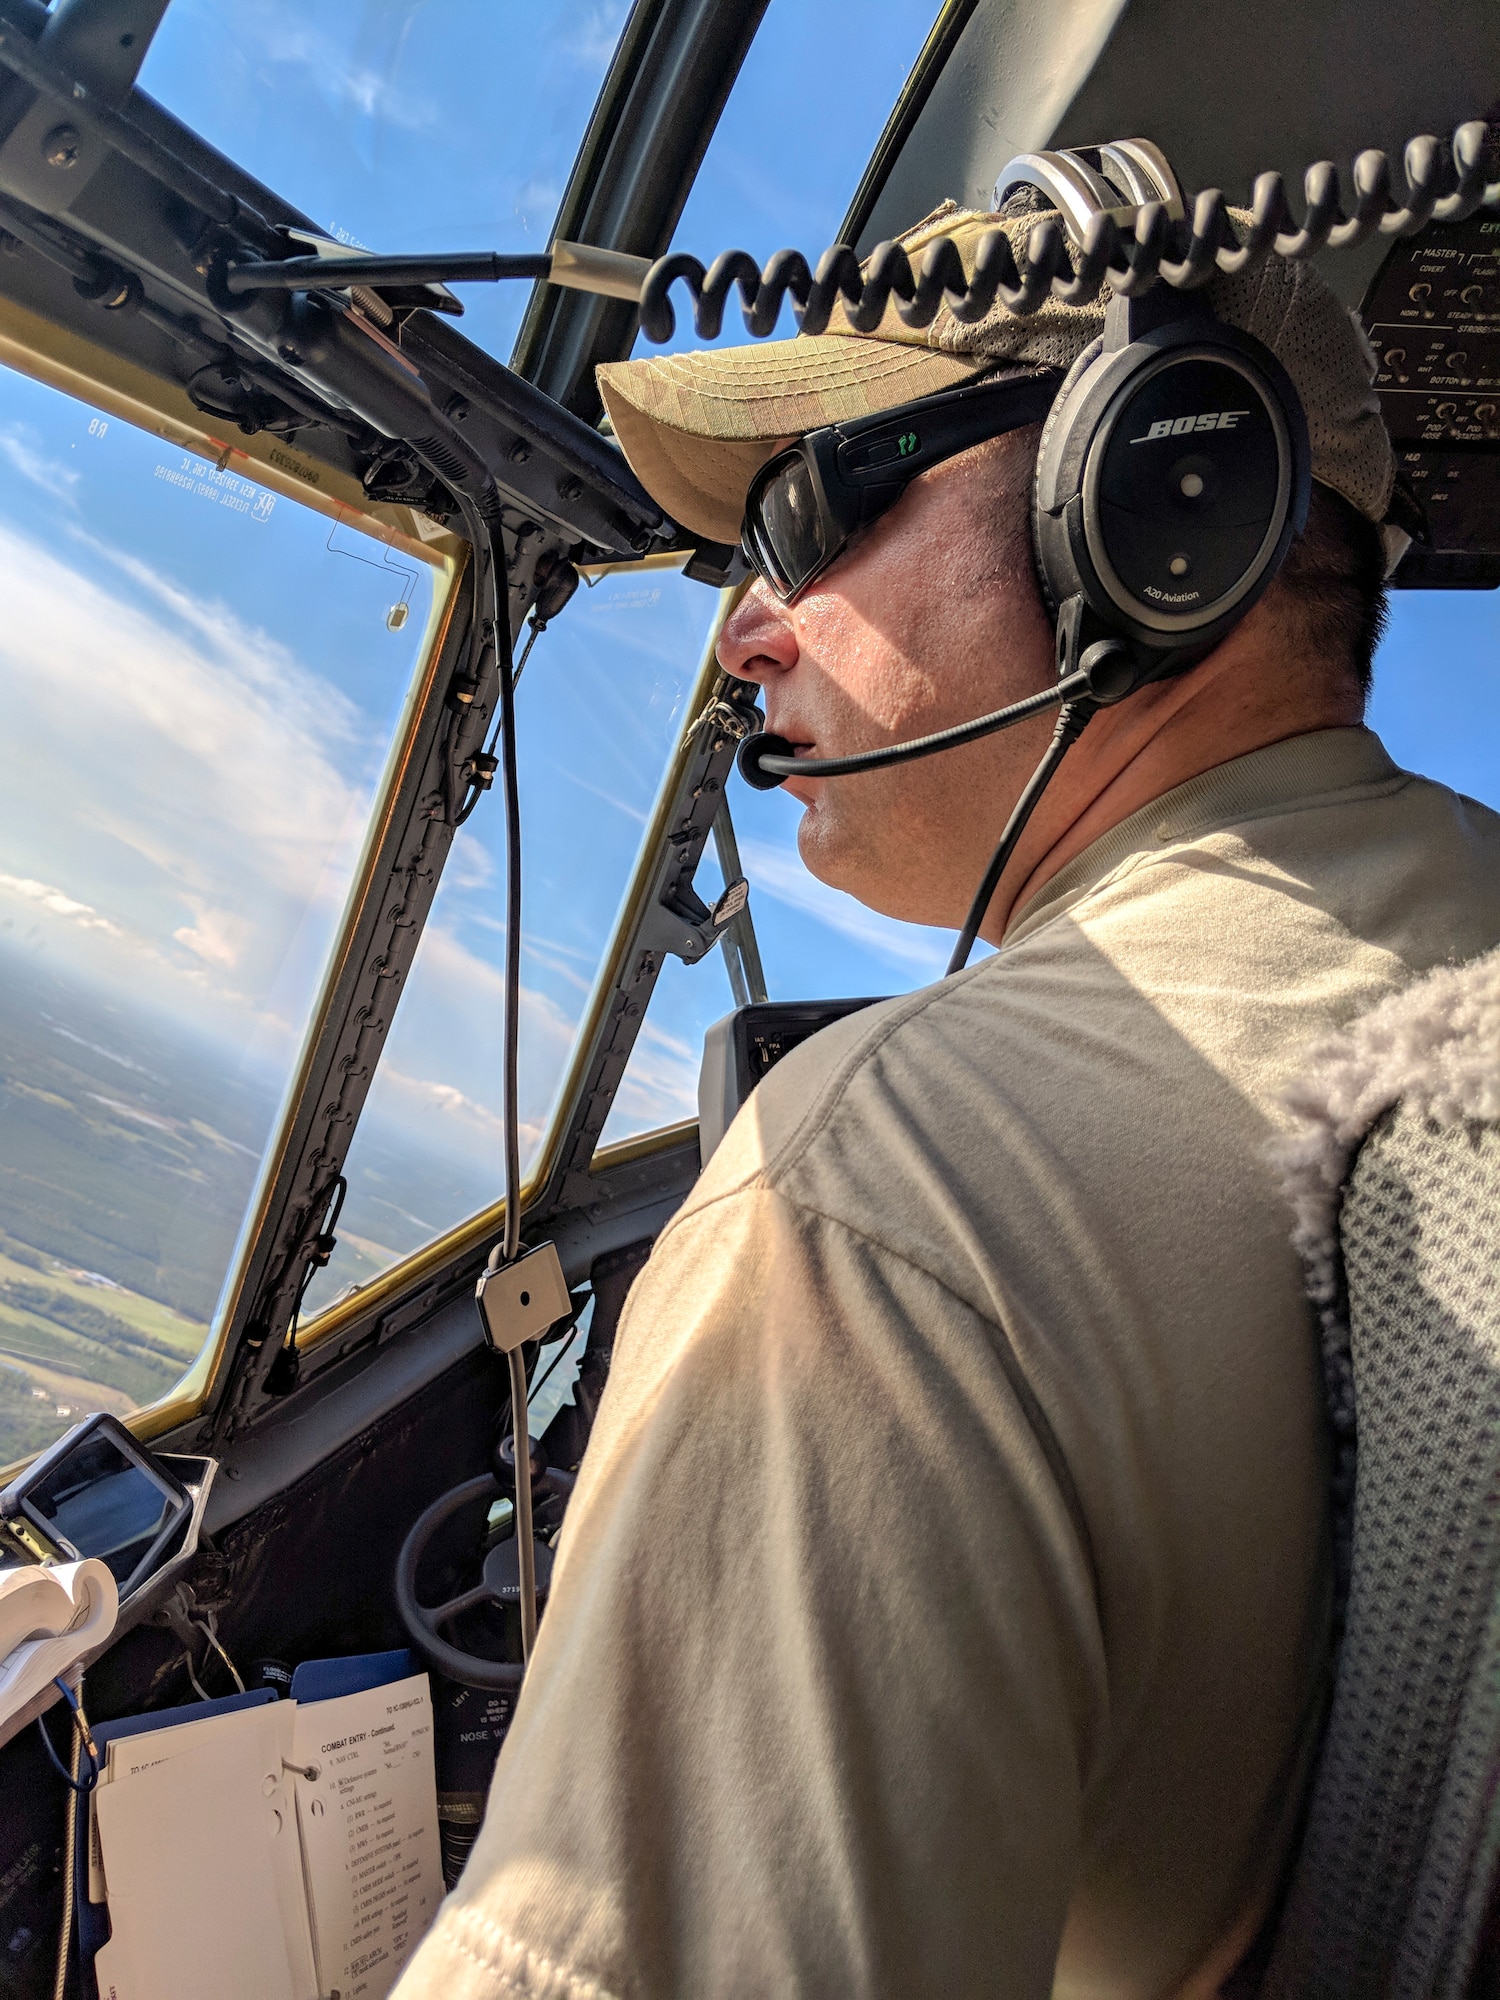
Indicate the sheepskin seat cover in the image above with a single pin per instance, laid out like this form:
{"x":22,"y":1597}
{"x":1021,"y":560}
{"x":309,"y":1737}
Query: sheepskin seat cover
{"x":1392,"y":1163}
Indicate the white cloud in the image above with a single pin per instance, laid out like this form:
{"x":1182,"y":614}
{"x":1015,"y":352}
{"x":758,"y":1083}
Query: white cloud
{"x":610,"y":798}
{"x":374,"y":90}
{"x":537,"y":200}
{"x":424,"y":1098}
{"x":779,"y":872}
{"x":470,"y":864}
{"x":141,"y":1117}
{"x":21,"y":454}
{"x":58,"y":903}
{"x":110,"y":1055}
{"x":593,"y":41}
{"x":190,"y":797}
{"x":217,"y":937}
{"x":561,"y":961}
{"x":660,"y":1084}
{"x":440,"y":1077}
{"x":305,"y":703}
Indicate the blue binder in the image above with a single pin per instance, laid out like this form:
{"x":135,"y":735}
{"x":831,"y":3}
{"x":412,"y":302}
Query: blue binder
{"x":325,"y":1680}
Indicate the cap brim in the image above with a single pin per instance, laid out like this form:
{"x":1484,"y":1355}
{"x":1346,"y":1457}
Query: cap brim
{"x":697,"y":428}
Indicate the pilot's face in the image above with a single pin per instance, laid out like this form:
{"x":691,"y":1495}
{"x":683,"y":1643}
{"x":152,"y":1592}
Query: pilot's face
{"x":931,"y":617}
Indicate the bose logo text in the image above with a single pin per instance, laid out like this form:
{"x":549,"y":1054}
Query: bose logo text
{"x":1176,"y":427}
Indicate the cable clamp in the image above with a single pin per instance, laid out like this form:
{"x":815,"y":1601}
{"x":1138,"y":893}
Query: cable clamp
{"x":1111,"y":672}
{"x":520,"y":1301}
{"x":480,"y":770}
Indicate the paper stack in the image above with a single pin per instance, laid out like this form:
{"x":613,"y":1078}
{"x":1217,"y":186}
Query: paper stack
{"x":284,"y":1851}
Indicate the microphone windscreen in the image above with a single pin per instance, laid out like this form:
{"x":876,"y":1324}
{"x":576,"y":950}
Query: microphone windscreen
{"x":749,"y":756}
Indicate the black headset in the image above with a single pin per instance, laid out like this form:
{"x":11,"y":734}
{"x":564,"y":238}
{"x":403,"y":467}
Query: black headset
{"x":1173,"y":472}
{"x":1174,"y":467}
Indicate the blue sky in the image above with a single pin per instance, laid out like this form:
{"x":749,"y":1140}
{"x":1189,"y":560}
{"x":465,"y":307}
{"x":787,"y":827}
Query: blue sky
{"x":198,"y":694}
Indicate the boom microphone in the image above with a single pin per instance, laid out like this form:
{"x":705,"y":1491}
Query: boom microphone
{"x":1105,"y":674}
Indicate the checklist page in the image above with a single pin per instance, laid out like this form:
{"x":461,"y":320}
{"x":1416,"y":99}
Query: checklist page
{"x":367,"y":1810}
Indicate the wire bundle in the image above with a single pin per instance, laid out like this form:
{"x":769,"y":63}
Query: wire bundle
{"x":1444,"y":184}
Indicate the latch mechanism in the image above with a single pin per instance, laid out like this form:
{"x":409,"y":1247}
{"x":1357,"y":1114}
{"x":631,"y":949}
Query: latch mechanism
{"x":699,"y":927}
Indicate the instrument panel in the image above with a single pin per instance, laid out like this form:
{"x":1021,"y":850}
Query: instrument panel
{"x":1433,"y":317}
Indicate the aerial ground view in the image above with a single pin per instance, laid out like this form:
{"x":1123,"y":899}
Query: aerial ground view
{"x":126,"y":1161}
{"x":115,"y":1195}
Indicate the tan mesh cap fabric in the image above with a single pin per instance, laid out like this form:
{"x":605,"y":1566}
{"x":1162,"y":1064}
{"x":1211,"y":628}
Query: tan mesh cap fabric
{"x":697,"y":427}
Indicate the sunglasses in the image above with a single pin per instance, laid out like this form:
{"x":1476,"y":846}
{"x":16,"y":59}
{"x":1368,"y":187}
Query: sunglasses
{"x":806,"y":505}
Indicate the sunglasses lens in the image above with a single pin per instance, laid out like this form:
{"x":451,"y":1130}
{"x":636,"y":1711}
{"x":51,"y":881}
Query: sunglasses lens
{"x":786,"y":538}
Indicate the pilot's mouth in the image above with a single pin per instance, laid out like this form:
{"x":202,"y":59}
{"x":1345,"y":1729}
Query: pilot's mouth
{"x":801,"y":746}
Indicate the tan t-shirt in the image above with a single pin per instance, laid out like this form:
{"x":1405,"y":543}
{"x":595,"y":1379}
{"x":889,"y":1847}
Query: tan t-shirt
{"x":942,"y":1610}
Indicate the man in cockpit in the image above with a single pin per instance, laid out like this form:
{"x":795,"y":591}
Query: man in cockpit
{"x":944,"y":1606}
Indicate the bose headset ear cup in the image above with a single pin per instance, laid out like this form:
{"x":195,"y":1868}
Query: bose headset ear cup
{"x":1070,"y":381}
{"x":1174,"y":473}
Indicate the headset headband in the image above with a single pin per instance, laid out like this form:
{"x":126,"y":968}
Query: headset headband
{"x":1131,"y":173}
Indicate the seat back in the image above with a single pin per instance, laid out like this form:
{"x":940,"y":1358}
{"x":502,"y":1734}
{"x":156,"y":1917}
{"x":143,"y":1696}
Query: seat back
{"x":1394,"y":1166}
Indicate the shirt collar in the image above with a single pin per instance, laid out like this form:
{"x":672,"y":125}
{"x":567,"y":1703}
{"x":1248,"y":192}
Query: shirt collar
{"x":1297,"y":771}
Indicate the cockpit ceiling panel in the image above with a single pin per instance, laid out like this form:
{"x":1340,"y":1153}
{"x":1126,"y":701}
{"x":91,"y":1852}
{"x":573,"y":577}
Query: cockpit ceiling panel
{"x":1227,"y":91}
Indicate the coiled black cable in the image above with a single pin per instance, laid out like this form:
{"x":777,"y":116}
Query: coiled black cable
{"x":1444,"y":184}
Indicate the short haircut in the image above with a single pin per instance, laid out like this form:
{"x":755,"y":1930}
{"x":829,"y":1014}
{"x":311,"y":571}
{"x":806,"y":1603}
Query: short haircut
{"x":1331,"y":588}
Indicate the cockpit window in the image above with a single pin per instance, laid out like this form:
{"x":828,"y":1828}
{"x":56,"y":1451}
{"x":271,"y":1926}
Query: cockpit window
{"x":199,"y":680}
{"x":779,"y":170}
{"x":601,"y":706}
{"x":398,"y":124}
{"x":1435,"y":664}
{"x":812,"y":940}
{"x":804,"y":116}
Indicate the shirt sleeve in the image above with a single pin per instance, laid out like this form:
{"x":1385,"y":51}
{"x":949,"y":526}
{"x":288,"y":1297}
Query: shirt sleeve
{"x":821,"y":1680}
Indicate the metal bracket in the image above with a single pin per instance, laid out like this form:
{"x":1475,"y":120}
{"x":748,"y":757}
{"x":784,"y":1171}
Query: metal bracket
{"x":54,"y":150}
{"x":678,"y":920}
{"x":673,"y":919}
{"x":103,"y":42}
{"x":693,"y":929}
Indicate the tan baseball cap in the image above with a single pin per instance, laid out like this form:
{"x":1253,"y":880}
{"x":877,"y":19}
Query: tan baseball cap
{"x":697,"y":427}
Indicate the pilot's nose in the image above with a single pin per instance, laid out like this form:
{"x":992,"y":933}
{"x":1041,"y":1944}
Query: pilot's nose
{"x":758,"y":641}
